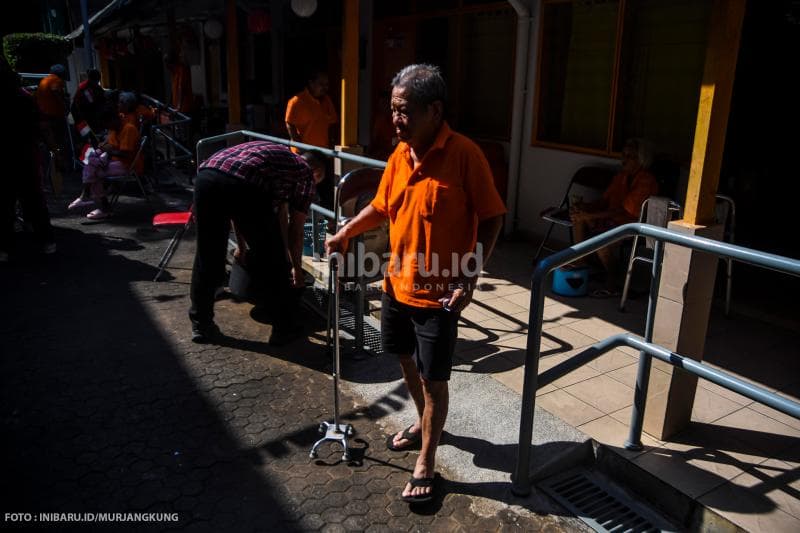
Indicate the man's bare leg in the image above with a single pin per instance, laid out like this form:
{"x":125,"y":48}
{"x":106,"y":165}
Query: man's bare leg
{"x":414,"y":385}
{"x":608,"y":258}
{"x":580,"y":229}
{"x":436,"y":397}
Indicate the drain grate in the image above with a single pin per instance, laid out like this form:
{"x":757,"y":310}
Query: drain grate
{"x":600,"y":505}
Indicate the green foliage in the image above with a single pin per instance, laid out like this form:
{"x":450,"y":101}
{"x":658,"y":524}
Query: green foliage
{"x":35,"y":52}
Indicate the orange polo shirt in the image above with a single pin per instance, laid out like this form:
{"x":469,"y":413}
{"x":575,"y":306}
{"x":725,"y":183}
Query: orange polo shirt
{"x":433,"y":214}
{"x":50,"y":97}
{"x":630,"y":198}
{"x":142,"y":113}
{"x":312,"y":118}
{"x":127,"y":139}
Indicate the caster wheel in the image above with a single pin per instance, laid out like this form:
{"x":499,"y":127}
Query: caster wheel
{"x":312,"y":455}
{"x":346,"y":457}
{"x":350,"y":431}
{"x":322,"y":428}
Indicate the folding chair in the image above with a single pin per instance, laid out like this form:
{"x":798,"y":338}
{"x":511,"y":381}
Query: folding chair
{"x":131,"y":176}
{"x":182,"y":219}
{"x":591,"y":178}
{"x":656,"y":211}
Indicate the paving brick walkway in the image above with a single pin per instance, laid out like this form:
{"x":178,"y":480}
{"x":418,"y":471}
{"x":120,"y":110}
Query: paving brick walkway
{"x":106,"y":406}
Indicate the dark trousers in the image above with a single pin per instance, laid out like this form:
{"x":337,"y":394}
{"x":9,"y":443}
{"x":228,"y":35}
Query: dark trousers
{"x":218,"y":200}
{"x":23,"y":184}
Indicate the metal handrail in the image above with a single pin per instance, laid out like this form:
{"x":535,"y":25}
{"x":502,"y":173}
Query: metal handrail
{"x":338,"y":154}
{"x":159,"y":129}
{"x":521,"y":484}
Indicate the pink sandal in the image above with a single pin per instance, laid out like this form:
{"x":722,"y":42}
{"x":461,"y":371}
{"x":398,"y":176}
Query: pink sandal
{"x":98,"y":214}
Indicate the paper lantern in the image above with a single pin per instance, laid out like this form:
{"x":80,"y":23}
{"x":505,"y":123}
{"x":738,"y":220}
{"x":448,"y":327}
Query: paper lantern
{"x":258,"y":21}
{"x":304,"y":8}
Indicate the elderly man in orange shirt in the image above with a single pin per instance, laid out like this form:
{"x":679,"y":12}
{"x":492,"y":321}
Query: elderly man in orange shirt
{"x":444,"y":217}
{"x":310,"y":113}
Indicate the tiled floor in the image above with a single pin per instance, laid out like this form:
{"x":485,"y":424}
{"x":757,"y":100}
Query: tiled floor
{"x":739,"y":458}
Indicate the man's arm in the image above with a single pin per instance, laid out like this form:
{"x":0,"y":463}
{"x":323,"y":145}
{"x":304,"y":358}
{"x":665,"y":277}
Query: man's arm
{"x":368,"y":218}
{"x":240,"y":253}
{"x":294,"y":246}
{"x":294,"y":134}
{"x":488,"y":231}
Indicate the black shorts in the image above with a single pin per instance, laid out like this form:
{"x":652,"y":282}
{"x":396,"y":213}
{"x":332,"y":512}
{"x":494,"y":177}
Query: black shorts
{"x":427,"y":335}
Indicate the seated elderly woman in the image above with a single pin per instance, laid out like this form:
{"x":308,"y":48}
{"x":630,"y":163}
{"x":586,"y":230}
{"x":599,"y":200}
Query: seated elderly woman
{"x":620,"y":204}
{"x":112,"y":158}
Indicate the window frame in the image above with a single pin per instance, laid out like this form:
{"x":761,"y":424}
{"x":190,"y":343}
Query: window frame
{"x":608,"y":151}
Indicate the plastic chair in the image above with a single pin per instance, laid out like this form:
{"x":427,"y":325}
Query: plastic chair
{"x":726,"y":215}
{"x":656,"y":211}
{"x":591,"y":178}
{"x":131,"y":176}
{"x":182,"y":219}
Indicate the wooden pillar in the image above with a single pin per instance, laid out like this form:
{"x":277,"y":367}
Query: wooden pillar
{"x":350,"y":25}
{"x":234,"y":102}
{"x":712,"y":115}
{"x":687,"y":282}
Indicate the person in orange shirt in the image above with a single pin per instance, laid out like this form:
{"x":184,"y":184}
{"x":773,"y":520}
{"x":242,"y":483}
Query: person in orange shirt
{"x":444,"y":217}
{"x":112,"y":158}
{"x":52,"y":101}
{"x":620,"y":204}
{"x":310,"y":113}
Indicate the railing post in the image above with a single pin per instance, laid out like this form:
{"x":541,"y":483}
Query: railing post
{"x":360,"y":293}
{"x":520,"y":480}
{"x":634,"y":441}
{"x":315,"y":251}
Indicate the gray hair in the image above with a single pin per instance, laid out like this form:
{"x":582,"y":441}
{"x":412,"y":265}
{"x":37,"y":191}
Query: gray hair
{"x":424,"y":84}
{"x":128,"y":101}
{"x":644,"y":150}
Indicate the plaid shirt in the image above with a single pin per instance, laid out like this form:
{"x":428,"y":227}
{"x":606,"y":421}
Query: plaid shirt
{"x":286,"y":177}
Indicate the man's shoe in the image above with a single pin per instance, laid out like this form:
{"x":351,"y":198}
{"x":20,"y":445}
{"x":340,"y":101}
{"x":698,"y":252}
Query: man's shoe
{"x":262,"y":314}
{"x":204,"y":333}
{"x":283,"y":335}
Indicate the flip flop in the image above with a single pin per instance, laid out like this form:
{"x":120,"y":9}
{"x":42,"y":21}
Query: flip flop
{"x":419,"y":482}
{"x":414,"y":440}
